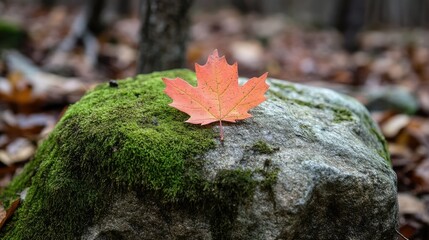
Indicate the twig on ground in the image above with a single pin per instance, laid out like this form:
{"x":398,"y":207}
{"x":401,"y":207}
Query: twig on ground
{"x":400,"y":234}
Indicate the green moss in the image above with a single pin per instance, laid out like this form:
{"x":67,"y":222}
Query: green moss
{"x":270,"y":178}
{"x":385,"y":155}
{"x":263,"y":148}
{"x":384,"y":151}
{"x":232,"y":188}
{"x":270,"y":175}
{"x":307,"y":133}
{"x":104,"y":145}
{"x":287,"y":87}
{"x":310,"y":104}
{"x":296,"y":101}
{"x":342,"y":114}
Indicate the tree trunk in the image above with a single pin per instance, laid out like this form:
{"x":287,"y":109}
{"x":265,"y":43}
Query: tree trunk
{"x":48,"y":3}
{"x":163,"y":32}
{"x":350,"y":21}
{"x":249,"y":6}
{"x":123,"y":7}
{"x":94,"y":9}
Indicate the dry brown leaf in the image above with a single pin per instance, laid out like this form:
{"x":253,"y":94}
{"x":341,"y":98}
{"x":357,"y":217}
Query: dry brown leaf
{"x":392,"y":127}
{"x":249,"y":54}
{"x":6,"y":214}
{"x":401,"y":155}
{"x":421,"y":176}
{"x":19,"y":150}
{"x":17,"y":90}
{"x":409,"y":204}
{"x":423,"y":96}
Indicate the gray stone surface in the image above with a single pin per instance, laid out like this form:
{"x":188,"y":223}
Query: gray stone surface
{"x":334,"y":179}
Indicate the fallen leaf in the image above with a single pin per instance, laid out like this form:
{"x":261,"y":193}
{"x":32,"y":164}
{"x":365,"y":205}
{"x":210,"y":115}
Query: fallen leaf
{"x":218,"y":97}
{"x":4,"y":140}
{"x":26,"y":125}
{"x":6,"y":214}
{"x":17,"y":90}
{"x":409,"y":204}
{"x":41,"y":82}
{"x":6,"y":179}
{"x":401,"y":155}
{"x":410,"y":229}
{"x":421,"y":176}
{"x":2,"y":213}
{"x":392,"y":127}
{"x":19,"y":150}
{"x":248,"y":53}
{"x":423,"y":96}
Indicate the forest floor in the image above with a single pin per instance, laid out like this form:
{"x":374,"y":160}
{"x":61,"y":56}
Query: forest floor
{"x":389,"y":74}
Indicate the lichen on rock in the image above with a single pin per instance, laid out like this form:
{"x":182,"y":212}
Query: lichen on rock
{"x":122,"y":164}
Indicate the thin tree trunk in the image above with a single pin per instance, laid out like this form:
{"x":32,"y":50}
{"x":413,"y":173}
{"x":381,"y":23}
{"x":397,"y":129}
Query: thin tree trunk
{"x":163,"y":33}
{"x":48,"y":3}
{"x":95,"y":8}
{"x":350,"y":21}
{"x":249,"y":6}
{"x":123,"y":7}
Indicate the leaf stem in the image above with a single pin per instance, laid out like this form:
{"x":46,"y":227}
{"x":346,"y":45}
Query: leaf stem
{"x":221,"y":130}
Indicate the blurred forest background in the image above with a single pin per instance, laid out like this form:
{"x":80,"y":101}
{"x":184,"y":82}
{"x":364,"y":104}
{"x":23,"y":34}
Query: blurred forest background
{"x":377,"y":51}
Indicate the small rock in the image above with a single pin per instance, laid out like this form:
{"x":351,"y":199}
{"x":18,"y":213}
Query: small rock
{"x":113,"y":83}
{"x":392,"y":98}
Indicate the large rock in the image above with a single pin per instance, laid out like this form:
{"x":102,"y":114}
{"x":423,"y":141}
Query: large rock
{"x":121,"y":164}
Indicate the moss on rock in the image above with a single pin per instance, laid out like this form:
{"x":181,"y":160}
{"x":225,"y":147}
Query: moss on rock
{"x":340,"y":114}
{"x":288,"y":88}
{"x":113,"y":140}
{"x":263,"y":147}
{"x":384,"y":152}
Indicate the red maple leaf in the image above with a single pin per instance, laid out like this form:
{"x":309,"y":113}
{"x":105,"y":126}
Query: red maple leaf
{"x":217,"y":97}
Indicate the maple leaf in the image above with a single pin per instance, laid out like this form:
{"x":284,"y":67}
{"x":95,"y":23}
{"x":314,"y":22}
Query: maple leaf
{"x":218,"y":96}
